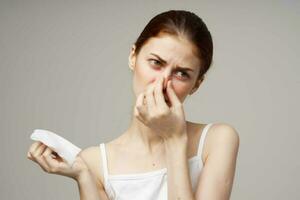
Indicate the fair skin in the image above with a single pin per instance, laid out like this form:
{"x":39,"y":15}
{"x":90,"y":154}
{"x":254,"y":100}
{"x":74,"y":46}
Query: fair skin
{"x":158,"y":135}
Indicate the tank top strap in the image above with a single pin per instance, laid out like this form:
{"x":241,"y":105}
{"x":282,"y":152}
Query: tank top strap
{"x":104,"y":162}
{"x":108,"y":188}
{"x":202,"y":138}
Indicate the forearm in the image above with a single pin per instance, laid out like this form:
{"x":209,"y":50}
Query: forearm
{"x":87,"y":187}
{"x":179,"y":183}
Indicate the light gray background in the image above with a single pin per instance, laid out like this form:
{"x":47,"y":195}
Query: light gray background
{"x":63,"y":67}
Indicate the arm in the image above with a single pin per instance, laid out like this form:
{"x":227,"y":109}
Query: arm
{"x":90,"y":188}
{"x":83,"y":170}
{"x":179,"y":183}
{"x":217,"y":176}
{"x":87,"y":187}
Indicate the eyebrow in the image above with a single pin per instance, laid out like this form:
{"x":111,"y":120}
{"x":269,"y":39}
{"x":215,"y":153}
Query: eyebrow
{"x":163,"y":61}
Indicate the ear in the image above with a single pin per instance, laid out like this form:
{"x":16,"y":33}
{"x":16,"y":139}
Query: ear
{"x":132,"y":58}
{"x":197,"y":84}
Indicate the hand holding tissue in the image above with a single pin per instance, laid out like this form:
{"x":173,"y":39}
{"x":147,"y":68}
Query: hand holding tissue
{"x":61,"y":146}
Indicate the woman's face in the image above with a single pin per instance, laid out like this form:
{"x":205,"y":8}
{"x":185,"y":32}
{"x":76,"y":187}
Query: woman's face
{"x":169,"y":57}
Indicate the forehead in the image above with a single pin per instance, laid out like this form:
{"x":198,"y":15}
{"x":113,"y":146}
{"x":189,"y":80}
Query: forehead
{"x":172,"y":49}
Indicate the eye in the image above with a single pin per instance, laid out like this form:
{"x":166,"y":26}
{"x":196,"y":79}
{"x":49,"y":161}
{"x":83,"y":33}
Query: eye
{"x":155,"y":62}
{"x":184,"y":74}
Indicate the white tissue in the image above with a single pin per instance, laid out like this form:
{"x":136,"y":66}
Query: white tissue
{"x":61,"y":146}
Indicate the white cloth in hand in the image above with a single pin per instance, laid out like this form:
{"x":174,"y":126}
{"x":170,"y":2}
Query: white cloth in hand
{"x":61,"y":146}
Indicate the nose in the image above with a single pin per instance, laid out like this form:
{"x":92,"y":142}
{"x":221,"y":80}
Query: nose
{"x":167,"y":76}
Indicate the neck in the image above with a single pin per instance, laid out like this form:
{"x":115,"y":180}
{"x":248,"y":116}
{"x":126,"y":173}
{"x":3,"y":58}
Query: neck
{"x":143,"y":136}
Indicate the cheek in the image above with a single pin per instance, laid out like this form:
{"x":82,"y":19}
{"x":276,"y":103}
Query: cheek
{"x":143,"y":76}
{"x":181,"y":90}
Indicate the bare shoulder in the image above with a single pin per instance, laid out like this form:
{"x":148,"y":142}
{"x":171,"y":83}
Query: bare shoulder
{"x":224,"y":132}
{"x":222,"y":136}
{"x":92,"y":157}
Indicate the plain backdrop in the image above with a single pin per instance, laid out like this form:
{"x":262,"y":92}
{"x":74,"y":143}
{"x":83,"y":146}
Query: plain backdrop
{"x":64,"y":68}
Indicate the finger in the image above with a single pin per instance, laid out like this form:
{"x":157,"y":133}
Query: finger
{"x":172,"y":95}
{"x":29,"y":156}
{"x":140,"y":108}
{"x":47,"y":153}
{"x":38,"y":157}
{"x":43,"y":164}
{"x":150,"y":98}
{"x":158,"y":94}
{"x":136,"y":112}
{"x":139,"y":116}
{"x":54,"y":164}
{"x":34,"y":146}
{"x":139,"y":100}
{"x":39,"y":151}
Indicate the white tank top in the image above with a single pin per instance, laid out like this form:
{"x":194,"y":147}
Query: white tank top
{"x":150,"y":185}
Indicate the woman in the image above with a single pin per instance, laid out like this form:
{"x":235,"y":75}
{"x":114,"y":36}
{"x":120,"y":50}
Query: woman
{"x":160,"y":155}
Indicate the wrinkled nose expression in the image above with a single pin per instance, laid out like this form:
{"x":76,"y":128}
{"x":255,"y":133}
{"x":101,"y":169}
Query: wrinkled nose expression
{"x":166,"y":57}
{"x":164,"y":92}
